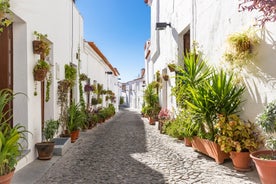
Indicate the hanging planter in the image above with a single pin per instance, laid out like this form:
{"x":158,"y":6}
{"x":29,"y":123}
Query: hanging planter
{"x":40,"y":74}
{"x":40,"y":70}
{"x":41,"y":45}
{"x":172,"y":67}
{"x":165,"y":77}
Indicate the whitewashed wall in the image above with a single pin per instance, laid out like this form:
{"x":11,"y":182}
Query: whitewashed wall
{"x":223,"y":19}
{"x":61,"y":21}
{"x":95,"y":68}
{"x":135,"y":93}
{"x":210,"y":23}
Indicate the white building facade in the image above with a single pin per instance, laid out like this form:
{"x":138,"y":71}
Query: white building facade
{"x":209,"y":23}
{"x":100,"y":71}
{"x":63,"y":24}
{"x":134,"y":92}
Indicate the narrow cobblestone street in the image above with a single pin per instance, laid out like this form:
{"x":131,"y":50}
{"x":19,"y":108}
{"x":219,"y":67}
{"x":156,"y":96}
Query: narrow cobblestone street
{"x":128,"y":150}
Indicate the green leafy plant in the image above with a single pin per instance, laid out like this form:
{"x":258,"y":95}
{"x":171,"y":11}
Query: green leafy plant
{"x":76,"y":117}
{"x":43,"y":67}
{"x":10,"y":137}
{"x":194,"y":73}
{"x":172,"y":67}
{"x":70,"y":74}
{"x":234,"y":134}
{"x":158,"y":76}
{"x":218,"y":95}
{"x":4,"y":11}
{"x":49,"y":80}
{"x":50,"y":129}
{"x":42,"y":64}
{"x":267,"y":120}
{"x":94,"y":101}
{"x":151,"y":101}
{"x":242,"y":46}
{"x":42,"y":46}
{"x":83,"y":77}
{"x":63,"y":90}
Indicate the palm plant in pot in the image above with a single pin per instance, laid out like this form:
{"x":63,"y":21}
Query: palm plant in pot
{"x":45,"y":149}
{"x":10,"y":139}
{"x":265,"y":160}
{"x":238,"y":138}
{"x":75,"y":120}
{"x":151,"y":99}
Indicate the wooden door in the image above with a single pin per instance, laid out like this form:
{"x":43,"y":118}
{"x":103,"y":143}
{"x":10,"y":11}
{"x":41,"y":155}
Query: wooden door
{"x":6,"y":62}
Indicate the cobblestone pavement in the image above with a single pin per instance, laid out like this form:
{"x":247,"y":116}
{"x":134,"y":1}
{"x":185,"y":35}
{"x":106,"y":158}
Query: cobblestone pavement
{"x":128,"y":150}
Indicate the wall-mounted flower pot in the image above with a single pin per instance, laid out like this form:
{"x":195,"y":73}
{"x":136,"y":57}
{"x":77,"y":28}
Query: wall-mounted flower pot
{"x":166,"y":77}
{"x":172,"y":67}
{"x":36,"y":47}
{"x":40,"y":74}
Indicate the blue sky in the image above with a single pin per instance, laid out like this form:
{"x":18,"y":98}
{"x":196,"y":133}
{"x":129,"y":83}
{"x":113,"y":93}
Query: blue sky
{"x":120,"y":30}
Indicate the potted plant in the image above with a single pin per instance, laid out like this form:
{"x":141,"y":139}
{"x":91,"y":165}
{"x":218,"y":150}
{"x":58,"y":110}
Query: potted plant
{"x":70,"y":74}
{"x":265,"y":160}
{"x":10,"y":139}
{"x":75,"y":120}
{"x":165,"y":77}
{"x":45,"y":149}
{"x":172,"y":67}
{"x":40,"y":70}
{"x":163,"y":115}
{"x":238,"y":138}
{"x":241,"y":49}
{"x":83,"y":77}
{"x":151,"y":102}
{"x":41,"y":45}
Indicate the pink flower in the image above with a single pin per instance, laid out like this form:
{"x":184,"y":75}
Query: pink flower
{"x":164,"y":114}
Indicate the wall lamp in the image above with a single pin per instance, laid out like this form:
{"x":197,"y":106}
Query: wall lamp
{"x":162,"y":25}
{"x":109,"y":73}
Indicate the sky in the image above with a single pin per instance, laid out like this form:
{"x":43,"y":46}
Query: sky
{"x":119,"y":29}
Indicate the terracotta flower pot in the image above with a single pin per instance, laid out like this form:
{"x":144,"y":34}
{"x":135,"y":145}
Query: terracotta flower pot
{"x":266,"y":168}
{"x":6,"y":179}
{"x":241,"y":160}
{"x":74,"y":136}
{"x":151,"y":121}
{"x":187,"y":142}
{"x":209,"y":148}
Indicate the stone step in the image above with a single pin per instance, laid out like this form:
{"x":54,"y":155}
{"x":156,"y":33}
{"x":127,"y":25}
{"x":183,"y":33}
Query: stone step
{"x":61,"y":145}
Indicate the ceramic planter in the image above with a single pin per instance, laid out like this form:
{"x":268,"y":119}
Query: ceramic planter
{"x":241,"y":160}
{"x":266,"y":168}
{"x":210,"y":149}
{"x":6,"y":179}
{"x":45,"y":150}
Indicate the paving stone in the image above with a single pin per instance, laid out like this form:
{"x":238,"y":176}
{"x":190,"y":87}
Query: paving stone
{"x":127,"y":150}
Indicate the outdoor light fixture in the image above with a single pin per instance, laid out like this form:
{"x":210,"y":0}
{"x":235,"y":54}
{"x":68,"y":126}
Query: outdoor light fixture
{"x":162,"y":25}
{"x":109,"y":73}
